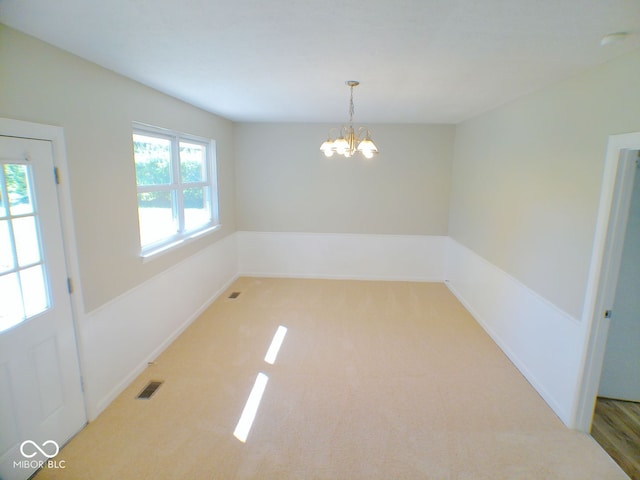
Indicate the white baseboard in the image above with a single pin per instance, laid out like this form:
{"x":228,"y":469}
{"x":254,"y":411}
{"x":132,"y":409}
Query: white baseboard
{"x":122,"y":336}
{"x":342,"y":256}
{"x":541,"y":340}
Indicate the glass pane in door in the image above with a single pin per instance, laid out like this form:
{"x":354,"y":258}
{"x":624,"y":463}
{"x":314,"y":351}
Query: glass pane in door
{"x":25,"y":232}
{"x":7,"y":261}
{"x":18,"y":188}
{"x":23,"y":283}
{"x":34,"y":291}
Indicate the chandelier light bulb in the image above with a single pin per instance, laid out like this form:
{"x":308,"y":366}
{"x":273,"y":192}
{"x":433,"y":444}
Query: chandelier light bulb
{"x":327,"y":147}
{"x":367,"y":147}
{"x":340,"y":146}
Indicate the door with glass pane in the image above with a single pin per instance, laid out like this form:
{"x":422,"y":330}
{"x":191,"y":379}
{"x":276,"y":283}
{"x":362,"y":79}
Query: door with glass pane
{"x":41,"y":400}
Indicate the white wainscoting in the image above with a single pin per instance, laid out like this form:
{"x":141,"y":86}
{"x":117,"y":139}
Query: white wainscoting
{"x":342,"y":256}
{"x":543,"y":342}
{"x":120,"y":337}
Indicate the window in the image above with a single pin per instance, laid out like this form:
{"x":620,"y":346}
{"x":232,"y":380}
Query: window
{"x":23,"y":289}
{"x":177,"y":192}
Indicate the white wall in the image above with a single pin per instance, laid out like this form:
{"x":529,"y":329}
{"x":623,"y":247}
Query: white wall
{"x":96,"y":107}
{"x":347,"y":256}
{"x":525,"y":193}
{"x":285,"y":184}
{"x":130,"y":310}
{"x":526,"y":178}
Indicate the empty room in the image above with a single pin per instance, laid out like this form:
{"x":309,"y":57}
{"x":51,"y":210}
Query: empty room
{"x":319,"y":240}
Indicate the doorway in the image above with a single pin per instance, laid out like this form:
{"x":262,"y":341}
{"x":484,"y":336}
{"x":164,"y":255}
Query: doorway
{"x":615,"y":203}
{"x":620,"y":378}
{"x":617,"y":185}
{"x":42,"y":403}
{"x":616,"y":421}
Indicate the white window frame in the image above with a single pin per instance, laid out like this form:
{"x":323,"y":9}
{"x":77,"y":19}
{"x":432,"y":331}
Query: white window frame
{"x":182,"y":236}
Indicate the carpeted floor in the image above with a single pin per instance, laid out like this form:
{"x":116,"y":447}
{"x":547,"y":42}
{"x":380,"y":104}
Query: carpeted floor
{"x":374,"y":380}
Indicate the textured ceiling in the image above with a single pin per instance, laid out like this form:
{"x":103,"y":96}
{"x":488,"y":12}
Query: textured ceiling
{"x":418,"y":61}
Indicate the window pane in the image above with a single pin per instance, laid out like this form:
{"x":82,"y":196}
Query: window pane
{"x":11,"y":312}
{"x":34,"y":291}
{"x":157,"y":216}
{"x":25,"y":232}
{"x":6,"y":252}
{"x":153,"y":160}
{"x":196,"y":207}
{"x":3,"y":205}
{"x":18,"y":189}
{"x":193,"y":162}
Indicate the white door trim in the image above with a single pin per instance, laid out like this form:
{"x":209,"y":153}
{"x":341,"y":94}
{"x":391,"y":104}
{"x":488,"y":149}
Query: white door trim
{"x":605,"y":263}
{"x":55,"y":134}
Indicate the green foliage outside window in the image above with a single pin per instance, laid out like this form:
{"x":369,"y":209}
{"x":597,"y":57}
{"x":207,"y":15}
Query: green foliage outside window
{"x":15,"y":177}
{"x":153,"y":167}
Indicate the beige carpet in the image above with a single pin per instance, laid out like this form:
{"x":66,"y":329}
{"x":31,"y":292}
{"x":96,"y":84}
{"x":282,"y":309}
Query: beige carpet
{"x":374,"y":380}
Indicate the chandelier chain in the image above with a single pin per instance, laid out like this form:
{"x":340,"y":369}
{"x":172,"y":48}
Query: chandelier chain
{"x":352,"y":108}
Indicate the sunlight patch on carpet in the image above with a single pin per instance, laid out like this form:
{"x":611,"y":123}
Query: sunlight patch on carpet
{"x":276,"y":343}
{"x":251,"y":408}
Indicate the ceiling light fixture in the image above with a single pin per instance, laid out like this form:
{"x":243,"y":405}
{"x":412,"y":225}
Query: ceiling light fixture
{"x":349,"y":140}
{"x":616,"y":37}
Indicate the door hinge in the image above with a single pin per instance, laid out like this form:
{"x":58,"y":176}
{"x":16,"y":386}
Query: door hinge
{"x":56,"y":175}
{"x":69,"y":285}
{"x":608,"y":314}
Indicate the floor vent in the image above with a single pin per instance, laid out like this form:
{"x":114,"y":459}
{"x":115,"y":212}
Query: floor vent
{"x":234,"y":295}
{"x":149,"y":390}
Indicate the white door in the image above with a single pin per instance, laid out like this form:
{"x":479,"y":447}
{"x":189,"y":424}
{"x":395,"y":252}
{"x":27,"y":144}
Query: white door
{"x":41,"y":400}
{"x":621,"y":368}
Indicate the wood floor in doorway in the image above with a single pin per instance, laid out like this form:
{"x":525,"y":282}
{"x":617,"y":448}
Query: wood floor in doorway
{"x":616,"y":427}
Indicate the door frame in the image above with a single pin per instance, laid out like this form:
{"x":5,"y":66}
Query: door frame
{"x":615,"y":195}
{"x":54,"y":134}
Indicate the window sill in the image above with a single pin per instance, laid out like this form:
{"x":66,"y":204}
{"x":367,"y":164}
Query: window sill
{"x":152,"y":254}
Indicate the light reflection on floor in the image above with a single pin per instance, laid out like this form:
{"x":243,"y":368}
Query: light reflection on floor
{"x":276,"y":343}
{"x":251,"y":408}
{"x":255,"y":397}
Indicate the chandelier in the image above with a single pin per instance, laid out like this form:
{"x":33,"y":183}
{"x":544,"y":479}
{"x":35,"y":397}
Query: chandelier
{"x":349,"y":140}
